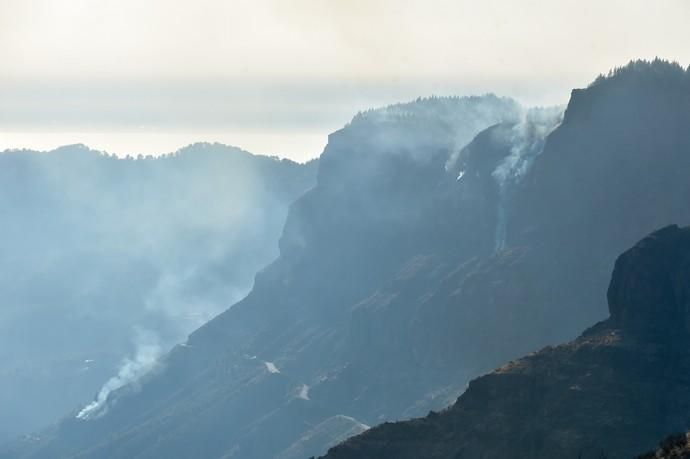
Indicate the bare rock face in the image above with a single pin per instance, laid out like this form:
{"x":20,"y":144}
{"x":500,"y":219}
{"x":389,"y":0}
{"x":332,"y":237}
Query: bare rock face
{"x":613,"y":392}
{"x":649,"y":292}
{"x":676,"y":446}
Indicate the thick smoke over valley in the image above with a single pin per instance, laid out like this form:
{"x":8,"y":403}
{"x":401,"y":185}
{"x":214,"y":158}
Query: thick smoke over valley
{"x":110,"y":262}
{"x":106,"y":263}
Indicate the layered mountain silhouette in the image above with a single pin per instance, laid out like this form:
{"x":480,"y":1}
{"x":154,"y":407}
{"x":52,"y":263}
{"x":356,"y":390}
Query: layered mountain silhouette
{"x":444,"y":238}
{"x":107,"y":262}
{"x":610,"y":393}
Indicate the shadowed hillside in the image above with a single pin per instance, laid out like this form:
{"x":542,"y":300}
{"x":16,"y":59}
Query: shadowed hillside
{"x":106,"y":263}
{"x":610,"y":393}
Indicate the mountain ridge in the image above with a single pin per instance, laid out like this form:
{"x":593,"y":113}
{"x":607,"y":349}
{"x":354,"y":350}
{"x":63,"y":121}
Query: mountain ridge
{"x":610,"y":392}
{"x":394,"y":281}
{"x":297,"y":315}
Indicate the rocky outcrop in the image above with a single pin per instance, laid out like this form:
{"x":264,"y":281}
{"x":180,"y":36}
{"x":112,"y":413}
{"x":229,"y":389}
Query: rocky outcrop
{"x":613,"y":391}
{"x":649,"y":293}
{"x":673,"y":447}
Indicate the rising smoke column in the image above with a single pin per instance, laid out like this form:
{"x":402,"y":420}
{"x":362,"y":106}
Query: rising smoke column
{"x":526,"y":142}
{"x":148,"y":350}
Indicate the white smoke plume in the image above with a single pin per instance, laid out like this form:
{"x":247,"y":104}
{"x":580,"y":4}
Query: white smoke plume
{"x":132,"y":369}
{"x":527,"y":142}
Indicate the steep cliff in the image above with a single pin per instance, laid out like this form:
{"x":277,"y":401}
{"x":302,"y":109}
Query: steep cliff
{"x":613,"y":391}
{"x":274,"y":375}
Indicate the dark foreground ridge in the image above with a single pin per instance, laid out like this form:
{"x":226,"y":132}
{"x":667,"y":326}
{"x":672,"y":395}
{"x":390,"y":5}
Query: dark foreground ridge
{"x":676,"y":446}
{"x":615,"y":390}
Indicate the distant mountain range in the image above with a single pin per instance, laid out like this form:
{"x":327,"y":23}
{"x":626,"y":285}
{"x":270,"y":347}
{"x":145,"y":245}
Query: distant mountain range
{"x":443,"y":238}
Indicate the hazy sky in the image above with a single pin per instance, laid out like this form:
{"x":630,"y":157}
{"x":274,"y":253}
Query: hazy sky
{"x":276,"y":76}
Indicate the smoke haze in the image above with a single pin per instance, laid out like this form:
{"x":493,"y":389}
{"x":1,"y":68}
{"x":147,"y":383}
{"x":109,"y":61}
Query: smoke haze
{"x":106,"y":263}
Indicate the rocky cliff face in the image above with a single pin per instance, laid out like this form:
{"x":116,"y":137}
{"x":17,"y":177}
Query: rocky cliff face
{"x":569,"y":215}
{"x":673,"y":447}
{"x":614,"y":391}
{"x":649,"y":293}
{"x":612,"y":172}
{"x":417,"y":262}
{"x":277,"y":375}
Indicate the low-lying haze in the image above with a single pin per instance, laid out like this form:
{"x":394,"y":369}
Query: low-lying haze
{"x":274,"y":77}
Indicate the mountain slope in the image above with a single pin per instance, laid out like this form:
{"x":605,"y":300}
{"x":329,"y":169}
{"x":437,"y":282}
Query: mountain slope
{"x":549,"y":279}
{"x":107,"y":259}
{"x":417,"y":262}
{"x":247,"y":369}
{"x":612,"y":391}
